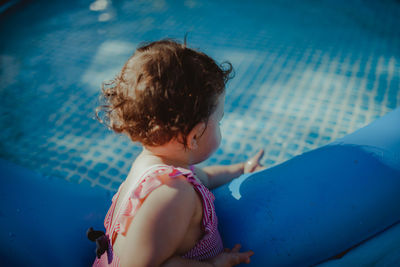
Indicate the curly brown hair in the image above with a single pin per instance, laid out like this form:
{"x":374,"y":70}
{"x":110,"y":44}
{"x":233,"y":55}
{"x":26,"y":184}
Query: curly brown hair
{"x":162,"y":91}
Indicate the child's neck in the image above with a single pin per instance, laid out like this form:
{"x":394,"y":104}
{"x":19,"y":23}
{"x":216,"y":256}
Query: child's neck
{"x":172,"y":153}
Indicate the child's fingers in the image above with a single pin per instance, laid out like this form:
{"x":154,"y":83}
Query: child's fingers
{"x":241,"y":257}
{"x":259,"y":155}
{"x":254,"y":161}
{"x":253,"y":164}
{"x":260,"y":168}
{"x":236,"y":248}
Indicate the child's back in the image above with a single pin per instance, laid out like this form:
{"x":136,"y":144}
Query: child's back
{"x":169,"y":98}
{"x":196,"y":244}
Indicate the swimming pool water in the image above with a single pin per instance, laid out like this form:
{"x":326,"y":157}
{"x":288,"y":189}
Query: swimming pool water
{"x":306,"y":74}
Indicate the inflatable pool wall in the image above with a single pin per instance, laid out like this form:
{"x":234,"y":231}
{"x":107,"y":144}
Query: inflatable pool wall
{"x":43,"y":220}
{"x":320,"y":204}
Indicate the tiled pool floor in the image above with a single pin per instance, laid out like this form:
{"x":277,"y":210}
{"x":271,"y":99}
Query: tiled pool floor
{"x":306,"y":74}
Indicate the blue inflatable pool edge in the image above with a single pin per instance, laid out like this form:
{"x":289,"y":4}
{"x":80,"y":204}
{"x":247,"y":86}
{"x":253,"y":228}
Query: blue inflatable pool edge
{"x":44,"y":219}
{"x":319,"y":204}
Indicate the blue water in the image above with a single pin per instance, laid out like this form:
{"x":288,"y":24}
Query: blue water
{"x":306,"y":74}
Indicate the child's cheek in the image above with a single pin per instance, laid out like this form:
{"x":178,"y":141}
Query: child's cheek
{"x":219,"y":137}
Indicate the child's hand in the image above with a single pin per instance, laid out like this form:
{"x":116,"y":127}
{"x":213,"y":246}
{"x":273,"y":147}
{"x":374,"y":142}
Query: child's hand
{"x":253,"y":164}
{"x":231,"y":257}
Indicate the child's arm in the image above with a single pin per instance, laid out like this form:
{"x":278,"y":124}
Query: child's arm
{"x":214,"y":176}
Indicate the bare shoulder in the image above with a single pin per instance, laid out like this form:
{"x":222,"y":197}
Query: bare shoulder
{"x":176,"y":188}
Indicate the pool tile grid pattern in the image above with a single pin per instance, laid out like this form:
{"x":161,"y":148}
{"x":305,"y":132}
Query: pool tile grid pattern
{"x":305,"y":75}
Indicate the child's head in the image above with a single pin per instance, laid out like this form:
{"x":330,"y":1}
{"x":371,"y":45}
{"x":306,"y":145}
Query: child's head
{"x":163,"y":91}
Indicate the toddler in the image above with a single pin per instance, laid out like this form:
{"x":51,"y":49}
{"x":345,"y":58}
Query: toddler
{"x":170,"y":98}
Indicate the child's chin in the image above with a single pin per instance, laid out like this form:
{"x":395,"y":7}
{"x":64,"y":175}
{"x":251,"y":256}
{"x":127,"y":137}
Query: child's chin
{"x":199,"y":160}
{"x":202,"y":158}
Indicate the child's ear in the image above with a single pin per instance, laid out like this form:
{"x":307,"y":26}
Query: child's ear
{"x":194,"y":135}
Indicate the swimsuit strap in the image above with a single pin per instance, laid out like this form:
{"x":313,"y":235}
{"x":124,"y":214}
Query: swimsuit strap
{"x":127,"y":195}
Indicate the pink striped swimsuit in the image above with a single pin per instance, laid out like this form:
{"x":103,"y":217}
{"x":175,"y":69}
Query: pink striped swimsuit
{"x":209,"y":246}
